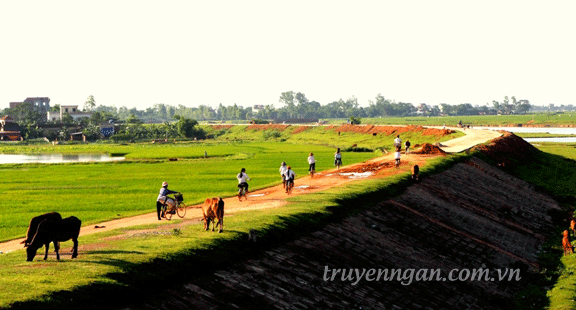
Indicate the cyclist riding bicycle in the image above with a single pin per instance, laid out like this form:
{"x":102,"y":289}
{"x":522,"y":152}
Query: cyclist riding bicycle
{"x":397,"y":155}
{"x":242,"y":177}
{"x":283,"y":169}
{"x":290,"y":176}
{"x":311,"y":165}
{"x":162,"y":199}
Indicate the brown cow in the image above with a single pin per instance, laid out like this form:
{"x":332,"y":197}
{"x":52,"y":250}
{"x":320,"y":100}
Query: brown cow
{"x":213,"y":209}
{"x":55,"y":231}
{"x":566,"y":244}
{"x":33,"y":227}
{"x":415,"y":172}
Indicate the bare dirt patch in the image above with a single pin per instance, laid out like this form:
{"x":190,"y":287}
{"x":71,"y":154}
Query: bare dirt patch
{"x":217,"y":127}
{"x":279,"y":127}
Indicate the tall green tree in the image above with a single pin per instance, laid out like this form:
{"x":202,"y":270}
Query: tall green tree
{"x":90,"y":103}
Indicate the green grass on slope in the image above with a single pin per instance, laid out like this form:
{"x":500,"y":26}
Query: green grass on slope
{"x":554,"y":171}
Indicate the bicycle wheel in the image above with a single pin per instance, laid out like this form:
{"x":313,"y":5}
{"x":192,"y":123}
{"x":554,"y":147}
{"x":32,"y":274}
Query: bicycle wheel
{"x":181,"y":210}
{"x":169,"y":213}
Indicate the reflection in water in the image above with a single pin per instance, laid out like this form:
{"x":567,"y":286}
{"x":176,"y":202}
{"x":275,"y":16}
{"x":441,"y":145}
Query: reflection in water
{"x":55,"y":158}
{"x":552,"y":139}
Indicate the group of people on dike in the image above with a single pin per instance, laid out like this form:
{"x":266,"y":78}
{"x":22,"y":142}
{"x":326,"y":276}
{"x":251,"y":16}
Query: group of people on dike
{"x":286,"y":173}
{"x":398,"y":148}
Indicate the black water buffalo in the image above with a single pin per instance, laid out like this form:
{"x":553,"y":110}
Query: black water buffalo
{"x":55,"y":231}
{"x":32,"y":228}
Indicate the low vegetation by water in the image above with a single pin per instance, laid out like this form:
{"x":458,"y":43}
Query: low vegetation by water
{"x":557,"y":119}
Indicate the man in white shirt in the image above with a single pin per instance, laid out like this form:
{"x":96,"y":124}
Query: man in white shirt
{"x":398,"y":141}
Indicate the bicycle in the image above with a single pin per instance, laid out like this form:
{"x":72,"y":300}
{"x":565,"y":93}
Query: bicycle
{"x":242,"y":193}
{"x":176,"y":206}
{"x":289,"y":186}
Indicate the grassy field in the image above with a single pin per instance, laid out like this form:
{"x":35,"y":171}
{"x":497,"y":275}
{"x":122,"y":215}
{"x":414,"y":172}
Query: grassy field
{"x":96,"y":192}
{"x":127,"y":267}
{"x":536,"y":119}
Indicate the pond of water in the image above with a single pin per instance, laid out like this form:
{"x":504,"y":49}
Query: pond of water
{"x":55,"y":158}
{"x":551,"y":130}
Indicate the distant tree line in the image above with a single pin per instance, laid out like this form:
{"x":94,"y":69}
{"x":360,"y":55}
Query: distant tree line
{"x":295,"y":106}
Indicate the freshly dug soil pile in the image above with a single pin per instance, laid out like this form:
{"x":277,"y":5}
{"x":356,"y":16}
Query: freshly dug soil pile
{"x":509,"y":146}
{"x":301,"y":129}
{"x":429,"y":149}
{"x":217,"y":127}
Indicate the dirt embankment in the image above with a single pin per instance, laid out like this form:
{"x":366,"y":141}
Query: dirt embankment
{"x":472,"y":216}
{"x":391,"y":130}
{"x":506,"y":148}
{"x":366,"y":129}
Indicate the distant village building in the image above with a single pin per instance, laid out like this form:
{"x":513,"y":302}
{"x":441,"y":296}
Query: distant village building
{"x":42,"y":104}
{"x":257,"y":108}
{"x":107,"y":130}
{"x":9,"y":130}
{"x":72,"y":110}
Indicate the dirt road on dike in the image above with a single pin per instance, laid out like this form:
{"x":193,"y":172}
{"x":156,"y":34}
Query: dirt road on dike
{"x":275,"y":196}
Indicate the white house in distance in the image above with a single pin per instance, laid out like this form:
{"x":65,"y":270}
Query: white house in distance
{"x":70,"y":109}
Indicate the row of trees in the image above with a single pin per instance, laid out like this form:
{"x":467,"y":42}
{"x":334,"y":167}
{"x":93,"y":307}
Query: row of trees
{"x":295,"y":105}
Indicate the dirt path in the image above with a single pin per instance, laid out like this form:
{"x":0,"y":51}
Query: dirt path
{"x":472,"y":138}
{"x":275,"y":196}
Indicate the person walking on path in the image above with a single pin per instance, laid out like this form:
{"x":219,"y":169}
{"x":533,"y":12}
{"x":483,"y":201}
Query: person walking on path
{"x":398,"y":141}
{"x":311,"y":165}
{"x":397,"y":155}
{"x":338,"y":159}
{"x":407,"y":144}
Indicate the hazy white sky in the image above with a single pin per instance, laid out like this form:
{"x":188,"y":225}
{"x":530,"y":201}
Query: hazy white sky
{"x":139,"y":53}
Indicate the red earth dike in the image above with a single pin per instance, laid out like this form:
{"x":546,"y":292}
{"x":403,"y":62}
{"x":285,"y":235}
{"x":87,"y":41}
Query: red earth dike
{"x":471,"y":217}
{"x":390,"y":130}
